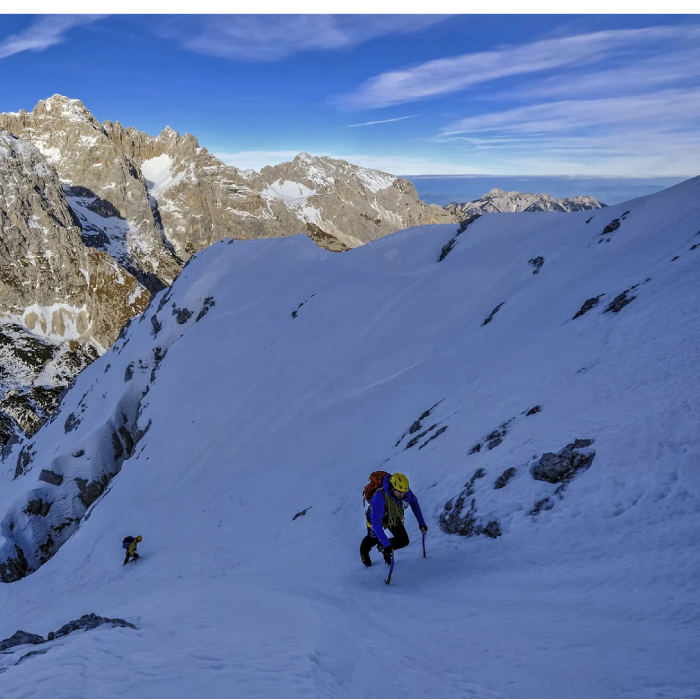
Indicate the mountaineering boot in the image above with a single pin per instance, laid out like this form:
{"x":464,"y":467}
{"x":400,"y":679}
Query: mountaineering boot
{"x":365,"y":558}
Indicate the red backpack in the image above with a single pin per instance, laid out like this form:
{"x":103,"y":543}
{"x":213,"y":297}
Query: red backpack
{"x":376,"y":479}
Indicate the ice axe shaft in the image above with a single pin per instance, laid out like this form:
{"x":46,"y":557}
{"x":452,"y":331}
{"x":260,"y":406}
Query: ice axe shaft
{"x":387,"y":580}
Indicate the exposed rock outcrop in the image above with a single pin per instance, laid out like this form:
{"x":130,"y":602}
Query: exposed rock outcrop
{"x":104,"y":186}
{"x":50,"y":282}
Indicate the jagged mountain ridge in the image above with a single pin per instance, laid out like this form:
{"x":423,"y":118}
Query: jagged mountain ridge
{"x":496,"y":200}
{"x":148,"y":203}
{"x":193,"y":199}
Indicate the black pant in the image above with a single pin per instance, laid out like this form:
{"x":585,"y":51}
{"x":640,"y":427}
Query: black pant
{"x":134,"y":556}
{"x":398,"y":541}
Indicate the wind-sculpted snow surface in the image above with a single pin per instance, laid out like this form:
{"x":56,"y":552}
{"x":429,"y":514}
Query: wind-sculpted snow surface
{"x":261,"y":390}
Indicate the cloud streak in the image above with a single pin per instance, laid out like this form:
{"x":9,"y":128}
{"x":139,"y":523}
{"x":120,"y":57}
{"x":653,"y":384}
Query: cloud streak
{"x":382,"y":121}
{"x":657,"y":133}
{"x":396,"y":165}
{"x":43,"y":33}
{"x":274,"y":37}
{"x":661,"y":111}
{"x":448,"y":75}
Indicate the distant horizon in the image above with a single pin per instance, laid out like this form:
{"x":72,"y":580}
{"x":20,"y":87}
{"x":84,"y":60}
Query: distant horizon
{"x":554,"y":175}
{"x":433,"y":189}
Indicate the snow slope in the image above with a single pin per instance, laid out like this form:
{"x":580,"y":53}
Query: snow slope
{"x":304,"y":375}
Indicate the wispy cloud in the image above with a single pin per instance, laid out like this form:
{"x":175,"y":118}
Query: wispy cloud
{"x":643,"y":74}
{"x":661,"y":111}
{"x":382,"y":121}
{"x":255,"y":160}
{"x":273,"y":37}
{"x":657,"y":134}
{"x":44,"y":32}
{"x":448,"y":75}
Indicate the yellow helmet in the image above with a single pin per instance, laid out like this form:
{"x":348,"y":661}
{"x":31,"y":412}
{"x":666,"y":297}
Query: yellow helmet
{"x":139,"y":538}
{"x":399,"y":482}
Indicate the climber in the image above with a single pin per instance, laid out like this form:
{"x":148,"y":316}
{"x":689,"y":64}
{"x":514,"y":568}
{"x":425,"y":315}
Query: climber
{"x":386,"y":510}
{"x":130,"y":543}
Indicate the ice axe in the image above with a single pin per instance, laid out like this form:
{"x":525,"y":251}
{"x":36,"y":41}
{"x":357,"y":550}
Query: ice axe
{"x":387,"y":580}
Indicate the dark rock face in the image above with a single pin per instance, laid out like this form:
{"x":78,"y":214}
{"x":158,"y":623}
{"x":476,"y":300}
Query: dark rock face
{"x":91,"y":491}
{"x":465,"y":222}
{"x":72,"y":422}
{"x":88,"y":622}
{"x":619,"y":302}
{"x":14,"y":568}
{"x":507,"y":475}
{"x":208,"y":303}
{"x":455,"y":520}
{"x":38,"y":506}
{"x":612,"y":226}
{"x":157,"y":325}
{"x":415,"y":440}
{"x":447,"y":248}
{"x":462,"y":515}
{"x":432,"y":437}
{"x":128,"y":440}
{"x":295,"y":313}
{"x":537,"y":263}
{"x":20,"y":637}
{"x":301,"y":512}
{"x":587,"y":306}
{"x":24,"y":459}
{"x":9,"y":430}
{"x":182,"y":315}
{"x":559,"y":467}
{"x":51,"y":477}
{"x":418,"y":425}
{"x":533,"y":410}
{"x":493,"y":313}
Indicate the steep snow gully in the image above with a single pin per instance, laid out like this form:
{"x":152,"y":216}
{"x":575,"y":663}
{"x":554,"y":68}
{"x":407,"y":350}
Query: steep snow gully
{"x":536,"y":376}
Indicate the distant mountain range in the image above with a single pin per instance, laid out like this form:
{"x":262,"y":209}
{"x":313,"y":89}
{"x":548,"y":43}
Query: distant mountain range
{"x":499,"y":201}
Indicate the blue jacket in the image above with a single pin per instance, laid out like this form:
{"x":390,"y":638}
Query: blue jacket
{"x":378,"y":505}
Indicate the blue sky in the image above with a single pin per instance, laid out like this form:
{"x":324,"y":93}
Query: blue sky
{"x":610,"y":95}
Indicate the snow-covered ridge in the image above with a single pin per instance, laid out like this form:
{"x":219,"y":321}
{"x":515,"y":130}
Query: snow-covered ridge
{"x":538,"y":372}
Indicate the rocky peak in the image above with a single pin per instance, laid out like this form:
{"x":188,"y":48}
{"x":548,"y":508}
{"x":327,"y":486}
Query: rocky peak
{"x":169,"y":135}
{"x":65,"y":109}
{"x":497,"y":200}
{"x":104,"y":186}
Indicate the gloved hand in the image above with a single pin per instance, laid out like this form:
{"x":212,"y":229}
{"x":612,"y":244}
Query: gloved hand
{"x":423,"y":529}
{"x":388,"y":552}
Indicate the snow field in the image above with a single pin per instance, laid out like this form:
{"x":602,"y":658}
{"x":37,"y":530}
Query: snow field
{"x":256,"y":415}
